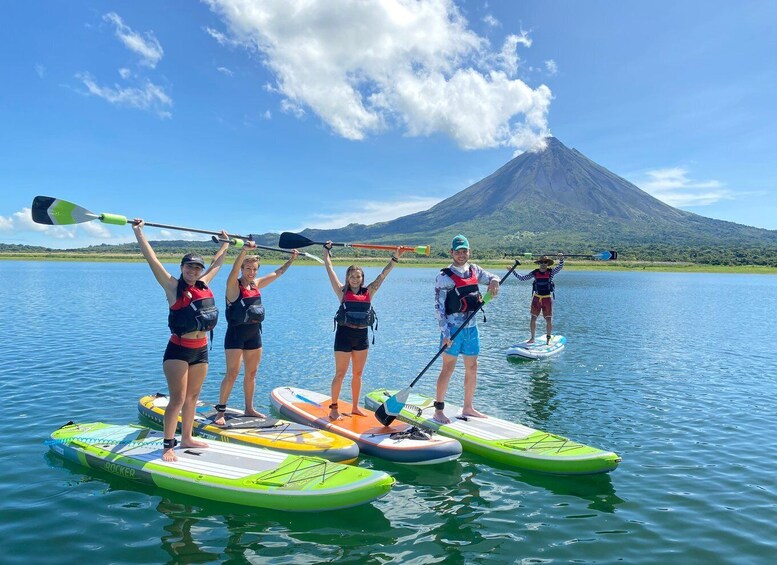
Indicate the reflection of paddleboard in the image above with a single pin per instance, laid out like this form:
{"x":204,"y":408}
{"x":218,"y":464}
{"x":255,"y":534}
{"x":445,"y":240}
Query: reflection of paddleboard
{"x":399,"y":442}
{"x":223,"y":471}
{"x":278,"y":435}
{"x":540,"y":349}
{"x":505,"y":442}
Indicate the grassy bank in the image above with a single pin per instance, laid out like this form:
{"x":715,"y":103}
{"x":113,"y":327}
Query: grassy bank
{"x":496,"y":266}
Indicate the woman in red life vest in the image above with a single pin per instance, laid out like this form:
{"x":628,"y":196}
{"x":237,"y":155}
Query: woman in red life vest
{"x":542,"y":293}
{"x":192,"y":315}
{"x":243,"y":340}
{"x":353,"y":319}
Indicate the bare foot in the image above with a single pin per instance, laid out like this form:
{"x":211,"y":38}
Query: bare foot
{"x":253,"y":413}
{"x":531,"y":340}
{"x":219,"y":419}
{"x":357,"y":411}
{"x":169,"y":455}
{"x":334,"y":414}
{"x":472,"y":413}
{"x":192,"y":443}
{"x":439,"y":416}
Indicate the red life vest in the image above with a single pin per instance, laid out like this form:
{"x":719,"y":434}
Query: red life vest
{"x":195,"y":310}
{"x":543,"y":283}
{"x":248,"y":308}
{"x":465,"y":295}
{"x":356,"y":309}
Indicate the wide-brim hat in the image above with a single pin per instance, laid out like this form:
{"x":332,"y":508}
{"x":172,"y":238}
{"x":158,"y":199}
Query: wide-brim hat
{"x":544,"y":259}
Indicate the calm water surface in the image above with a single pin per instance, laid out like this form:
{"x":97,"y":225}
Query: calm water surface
{"x":675,"y":372}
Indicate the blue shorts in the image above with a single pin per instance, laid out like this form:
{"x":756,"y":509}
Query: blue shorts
{"x":466,"y":343}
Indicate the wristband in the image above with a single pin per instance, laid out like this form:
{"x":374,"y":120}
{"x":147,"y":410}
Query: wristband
{"x":394,"y":259}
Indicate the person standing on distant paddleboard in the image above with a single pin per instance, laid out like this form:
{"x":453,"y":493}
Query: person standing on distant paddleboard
{"x":193,"y":314}
{"x":245,"y":314}
{"x":542,"y":292}
{"x":353,"y":319}
{"x":457,"y":293}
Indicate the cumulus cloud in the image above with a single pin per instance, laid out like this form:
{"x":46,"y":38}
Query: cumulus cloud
{"x":148,"y":96}
{"x":672,"y":185}
{"x":366,"y":66}
{"x":367,"y":213}
{"x":145,"y":45}
{"x":551,"y":67}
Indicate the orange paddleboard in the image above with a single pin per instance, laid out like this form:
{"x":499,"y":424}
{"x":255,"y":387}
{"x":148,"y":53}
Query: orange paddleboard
{"x":399,"y":442}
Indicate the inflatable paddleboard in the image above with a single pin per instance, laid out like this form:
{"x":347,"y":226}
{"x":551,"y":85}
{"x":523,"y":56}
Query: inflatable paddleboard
{"x":400,"y":443}
{"x":505,"y":442}
{"x":278,"y":435}
{"x":540,"y":349}
{"x":223,"y":471}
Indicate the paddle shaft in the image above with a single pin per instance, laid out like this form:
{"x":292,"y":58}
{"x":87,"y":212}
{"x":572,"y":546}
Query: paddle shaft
{"x":461,"y":327}
{"x":239,"y":241}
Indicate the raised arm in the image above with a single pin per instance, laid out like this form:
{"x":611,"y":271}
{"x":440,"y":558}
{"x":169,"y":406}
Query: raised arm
{"x":233,"y":288}
{"x":262,"y":282}
{"x":375,"y":285}
{"x":165,"y":279}
{"x":560,"y":265}
{"x":337,"y":286}
{"x":218,"y":259}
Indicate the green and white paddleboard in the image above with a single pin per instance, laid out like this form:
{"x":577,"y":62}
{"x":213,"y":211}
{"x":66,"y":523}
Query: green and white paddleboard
{"x":226,"y":472}
{"x":540,"y":348}
{"x":505,"y":442}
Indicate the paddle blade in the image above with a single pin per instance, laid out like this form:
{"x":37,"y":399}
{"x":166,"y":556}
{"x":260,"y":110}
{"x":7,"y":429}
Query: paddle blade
{"x":384,"y":417}
{"x":53,"y":212}
{"x":309,"y":256}
{"x":290,"y":240}
{"x":605,"y":255}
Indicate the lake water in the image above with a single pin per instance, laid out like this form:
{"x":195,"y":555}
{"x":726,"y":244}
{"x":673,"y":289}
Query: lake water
{"x":674,"y":372}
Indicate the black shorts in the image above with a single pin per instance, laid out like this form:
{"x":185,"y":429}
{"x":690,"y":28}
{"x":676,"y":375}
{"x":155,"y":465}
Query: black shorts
{"x":192,"y":355}
{"x":243,"y":336}
{"x":351,"y":339}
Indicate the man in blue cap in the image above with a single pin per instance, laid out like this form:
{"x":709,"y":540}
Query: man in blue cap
{"x":457,"y":294}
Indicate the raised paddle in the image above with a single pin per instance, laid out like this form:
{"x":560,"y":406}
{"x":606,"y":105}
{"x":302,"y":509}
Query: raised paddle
{"x":55,"y":212}
{"x":290,"y":240}
{"x":237,"y":242}
{"x":392,"y":407}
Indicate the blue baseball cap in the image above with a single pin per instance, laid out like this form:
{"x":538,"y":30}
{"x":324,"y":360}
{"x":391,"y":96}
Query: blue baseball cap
{"x":459,"y":242}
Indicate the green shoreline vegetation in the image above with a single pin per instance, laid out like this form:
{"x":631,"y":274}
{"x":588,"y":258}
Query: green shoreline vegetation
{"x":409,"y":261}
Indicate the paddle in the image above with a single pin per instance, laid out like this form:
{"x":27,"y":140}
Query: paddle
{"x":392,"y":407}
{"x":238,"y":242}
{"x":610,"y":255}
{"x":55,"y":212}
{"x":291,"y":240}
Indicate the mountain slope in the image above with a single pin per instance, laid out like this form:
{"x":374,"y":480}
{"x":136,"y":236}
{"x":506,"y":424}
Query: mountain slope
{"x":553,"y":198}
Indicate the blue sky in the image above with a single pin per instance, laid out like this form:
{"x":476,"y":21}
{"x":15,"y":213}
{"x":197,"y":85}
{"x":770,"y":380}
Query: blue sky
{"x":280,"y":115}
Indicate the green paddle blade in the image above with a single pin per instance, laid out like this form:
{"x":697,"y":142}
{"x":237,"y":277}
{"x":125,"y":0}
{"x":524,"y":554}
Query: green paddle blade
{"x":53,"y":212}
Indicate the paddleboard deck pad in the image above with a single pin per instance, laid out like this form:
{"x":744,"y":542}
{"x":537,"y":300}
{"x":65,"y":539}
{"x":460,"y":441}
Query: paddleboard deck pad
{"x":540,"y":349}
{"x":400,"y":443}
{"x":502,"y":441}
{"x":278,"y":435}
{"x":223,"y":471}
